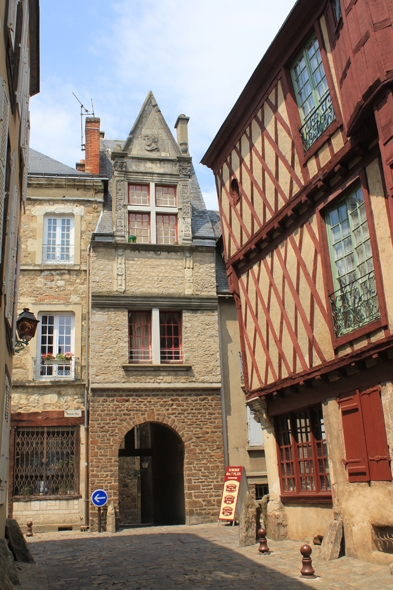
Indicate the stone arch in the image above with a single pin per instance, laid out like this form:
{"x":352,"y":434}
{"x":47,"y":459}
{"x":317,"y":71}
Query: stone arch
{"x":152,"y":416}
{"x":151,"y":482}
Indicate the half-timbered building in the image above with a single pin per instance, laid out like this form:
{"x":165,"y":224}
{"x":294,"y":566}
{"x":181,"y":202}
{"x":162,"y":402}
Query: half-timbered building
{"x":303,"y":167}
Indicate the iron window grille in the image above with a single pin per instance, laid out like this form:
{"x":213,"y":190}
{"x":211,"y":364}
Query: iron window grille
{"x":46,"y":461}
{"x":302,"y":453}
{"x":312,"y":94}
{"x":354,"y":302}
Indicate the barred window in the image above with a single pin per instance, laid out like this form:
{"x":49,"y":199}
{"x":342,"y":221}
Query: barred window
{"x":302,"y":448}
{"x":166,"y":229}
{"x":170,"y":337}
{"x":46,"y":461}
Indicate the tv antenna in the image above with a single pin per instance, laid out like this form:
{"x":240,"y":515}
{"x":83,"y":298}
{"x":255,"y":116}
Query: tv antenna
{"x":84,"y":113}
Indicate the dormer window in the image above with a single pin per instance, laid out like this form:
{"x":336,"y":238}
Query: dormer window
{"x":312,"y":93}
{"x":152,"y":220}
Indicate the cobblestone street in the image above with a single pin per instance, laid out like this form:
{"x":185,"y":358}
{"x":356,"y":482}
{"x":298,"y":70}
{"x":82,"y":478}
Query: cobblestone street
{"x":195,"y":557}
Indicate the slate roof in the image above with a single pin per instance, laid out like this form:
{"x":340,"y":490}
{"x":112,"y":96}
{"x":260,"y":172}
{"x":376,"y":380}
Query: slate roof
{"x":41,"y":164}
{"x":200,"y":221}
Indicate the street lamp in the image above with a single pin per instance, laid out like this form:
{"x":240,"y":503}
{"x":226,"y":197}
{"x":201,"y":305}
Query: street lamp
{"x":26,"y":325}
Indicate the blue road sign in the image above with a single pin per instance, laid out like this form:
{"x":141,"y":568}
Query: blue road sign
{"x":99,"y":498}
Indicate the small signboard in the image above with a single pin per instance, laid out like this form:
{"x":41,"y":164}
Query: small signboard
{"x":73,"y":413}
{"x":235,"y":487}
{"x":99,"y":498}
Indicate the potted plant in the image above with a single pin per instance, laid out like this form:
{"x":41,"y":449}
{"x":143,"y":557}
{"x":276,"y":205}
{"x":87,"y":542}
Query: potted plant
{"x":131,"y":239}
{"x":64,"y":358}
{"x":48,"y":358}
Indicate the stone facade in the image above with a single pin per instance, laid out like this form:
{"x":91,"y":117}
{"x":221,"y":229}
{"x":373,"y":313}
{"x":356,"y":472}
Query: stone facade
{"x":49,"y":286}
{"x":19,"y":79}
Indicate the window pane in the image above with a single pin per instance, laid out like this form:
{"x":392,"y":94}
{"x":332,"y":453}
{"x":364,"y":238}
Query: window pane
{"x":139,"y":337}
{"x":139,"y":226}
{"x":138,"y":194}
{"x":166,"y":229}
{"x":165,"y":196}
{"x":170,"y":337}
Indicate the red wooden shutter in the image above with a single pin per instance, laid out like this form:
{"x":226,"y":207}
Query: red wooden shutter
{"x":376,"y":441}
{"x":355,"y":442}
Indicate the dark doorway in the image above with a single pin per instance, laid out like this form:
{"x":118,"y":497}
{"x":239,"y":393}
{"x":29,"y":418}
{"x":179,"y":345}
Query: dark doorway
{"x":151,"y":481}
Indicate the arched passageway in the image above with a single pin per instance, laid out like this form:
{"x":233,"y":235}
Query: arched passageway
{"x":151,"y":480}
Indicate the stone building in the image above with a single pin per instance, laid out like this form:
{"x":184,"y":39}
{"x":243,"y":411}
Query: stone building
{"x":48,"y":482}
{"x":19,"y":79}
{"x":304,"y":172}
{"x":155,"y":381}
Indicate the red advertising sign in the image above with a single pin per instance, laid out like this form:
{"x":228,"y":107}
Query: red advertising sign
{"x":230,"y":494}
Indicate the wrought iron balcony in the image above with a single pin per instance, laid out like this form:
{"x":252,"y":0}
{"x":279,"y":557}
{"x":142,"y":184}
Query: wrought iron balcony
{"x":355,"y":305}
{"x":57,"y":370}
{"x":58,"y":254}
{"x":317,"y":121}
{"x":171,"y":356}
{"x":139,"y":355}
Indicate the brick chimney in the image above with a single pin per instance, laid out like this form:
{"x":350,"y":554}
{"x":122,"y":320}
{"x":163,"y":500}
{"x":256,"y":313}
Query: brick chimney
{"x":182,"y":133}
{"x":80,"y":166}
{"x":92,"y":131}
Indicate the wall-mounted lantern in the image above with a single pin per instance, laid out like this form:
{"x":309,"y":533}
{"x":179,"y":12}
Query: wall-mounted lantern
{"x":26,"y":325}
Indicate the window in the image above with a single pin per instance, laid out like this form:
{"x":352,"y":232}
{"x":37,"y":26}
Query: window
{"x":312,"y":94}
{"x":58,"y":244}
{"x":235,"y":191}
{"x":354,"y":302}
{"x":366,"y":448}
{"x":255,"y":434}
{"x":154,"y":337}
{"x":170,"y":337}
{"x":303,"y":461}
{"x":56,"y":338}
{"x":152,"y":220}
{"x":139,"y":337}
{"x":46,"y":461}
{"x":336,"y":5}
{"x":261,"y":490}
{"x":139,"y":226}
{"x":138,"y":194}
{"x":166,"y":229}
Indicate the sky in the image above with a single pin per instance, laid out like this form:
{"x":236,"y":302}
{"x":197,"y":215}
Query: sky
{"x":196,"y":57}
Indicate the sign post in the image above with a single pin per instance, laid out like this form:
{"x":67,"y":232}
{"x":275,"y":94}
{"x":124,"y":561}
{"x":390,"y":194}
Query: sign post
{"x":235,"y":487}
{"x":99,"y":498}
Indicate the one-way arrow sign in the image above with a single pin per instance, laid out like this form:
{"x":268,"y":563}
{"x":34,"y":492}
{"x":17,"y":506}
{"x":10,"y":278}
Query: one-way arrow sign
{"x":99,"y":498}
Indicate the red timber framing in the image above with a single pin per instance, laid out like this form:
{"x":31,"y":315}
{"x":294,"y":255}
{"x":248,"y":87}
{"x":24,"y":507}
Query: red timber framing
{"x":328,"y":279}
{"x":293,"y":109}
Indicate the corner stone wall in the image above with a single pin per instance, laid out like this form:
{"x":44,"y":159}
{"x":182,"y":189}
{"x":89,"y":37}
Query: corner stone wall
{"x":196,"y":418}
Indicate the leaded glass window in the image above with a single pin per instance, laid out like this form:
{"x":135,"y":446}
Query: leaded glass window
{"x":354,"y":301}
{"x":312,"y":93}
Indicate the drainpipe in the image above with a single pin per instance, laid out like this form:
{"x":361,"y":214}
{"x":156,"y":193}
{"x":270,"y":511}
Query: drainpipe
{"x":87,"y":392}
{"x":222,"y":390}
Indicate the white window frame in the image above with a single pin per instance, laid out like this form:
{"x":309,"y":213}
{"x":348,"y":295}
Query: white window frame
{"x":152,"y":208}
{"x":57,"y":371}
{"x":58,"y":245}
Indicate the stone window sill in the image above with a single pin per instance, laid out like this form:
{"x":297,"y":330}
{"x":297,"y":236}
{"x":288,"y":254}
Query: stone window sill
{"x":255,"y":448}
{"x":149,"y":367}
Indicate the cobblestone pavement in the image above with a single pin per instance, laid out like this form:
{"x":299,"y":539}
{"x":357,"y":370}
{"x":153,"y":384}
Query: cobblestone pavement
{"x":186,"y":557}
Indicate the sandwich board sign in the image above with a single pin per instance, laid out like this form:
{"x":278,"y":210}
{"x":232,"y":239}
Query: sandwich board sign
{"x":235,"y":488}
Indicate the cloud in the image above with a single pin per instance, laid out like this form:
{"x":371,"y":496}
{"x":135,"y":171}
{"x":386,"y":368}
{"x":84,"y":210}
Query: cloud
{"x":196,"y":57}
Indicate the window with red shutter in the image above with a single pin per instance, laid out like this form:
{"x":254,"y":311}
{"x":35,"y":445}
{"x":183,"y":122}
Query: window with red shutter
{"x":367,"y":453}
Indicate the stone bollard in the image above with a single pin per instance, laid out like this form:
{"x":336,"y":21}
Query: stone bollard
{"x":29,"y":532}
{"x":307,"y":569}
{"x":263,"y":548}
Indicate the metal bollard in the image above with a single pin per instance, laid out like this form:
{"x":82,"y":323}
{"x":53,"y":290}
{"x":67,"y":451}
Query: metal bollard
{"x":29,"y":532}
{"x":307,"y":569}
{"x":263,"y":548}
